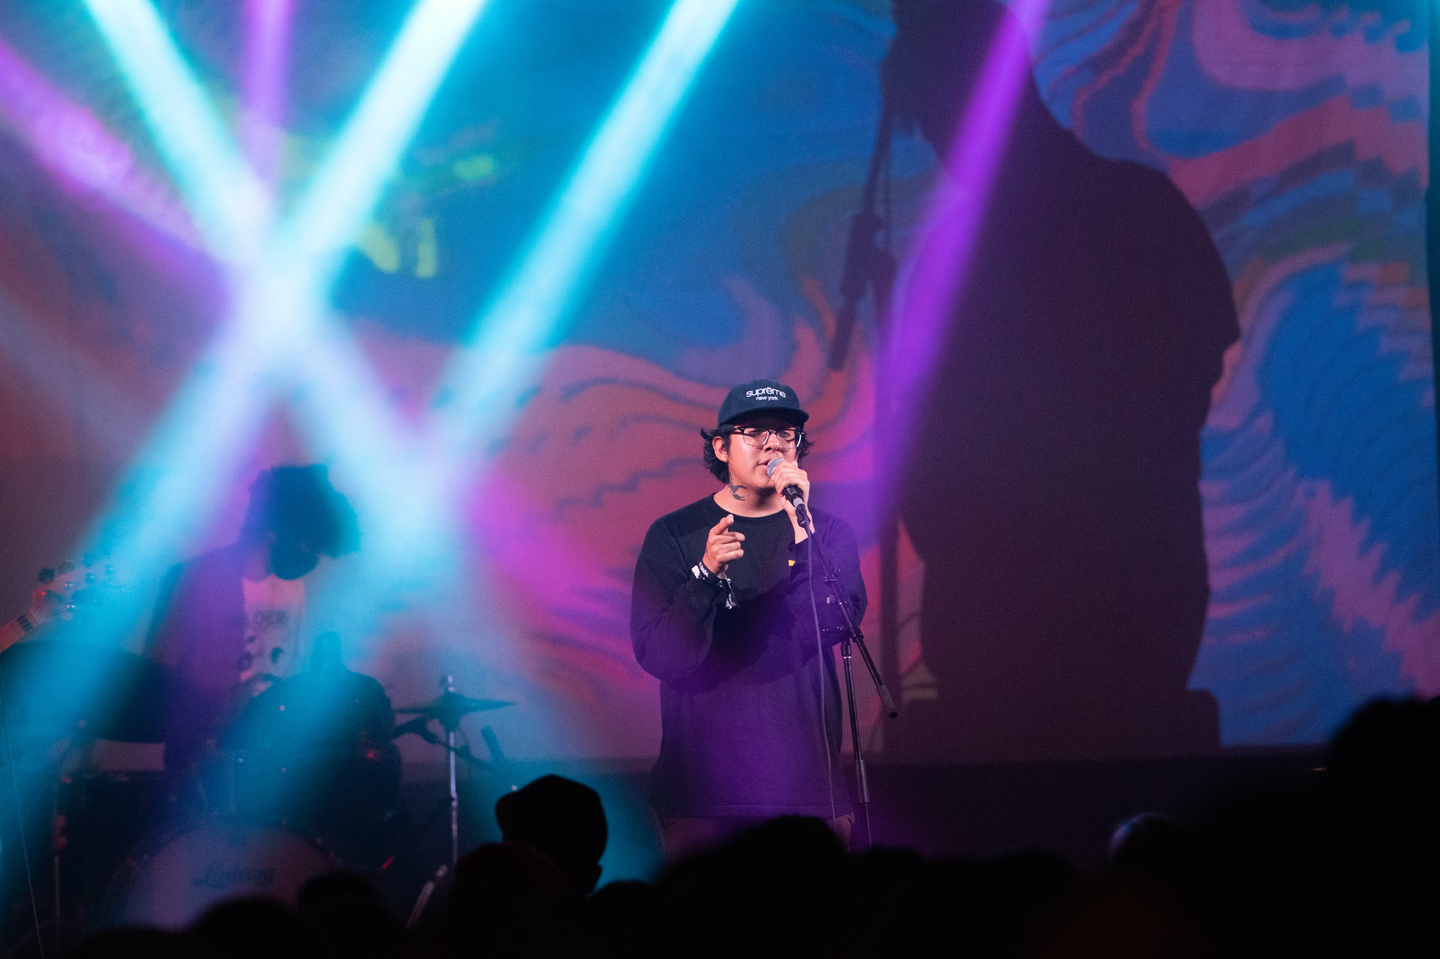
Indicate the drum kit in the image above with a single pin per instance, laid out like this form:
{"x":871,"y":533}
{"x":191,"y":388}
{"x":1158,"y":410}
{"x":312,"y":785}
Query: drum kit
{"x":306,"y":780}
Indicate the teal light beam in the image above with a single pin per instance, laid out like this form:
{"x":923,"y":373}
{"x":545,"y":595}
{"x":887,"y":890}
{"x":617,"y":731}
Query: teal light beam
{"x":346,"y":189}
{"x":506,"y":345}
{"x":503,"y":350}
{"x":278,"y":294}
{"x":338,"y":399}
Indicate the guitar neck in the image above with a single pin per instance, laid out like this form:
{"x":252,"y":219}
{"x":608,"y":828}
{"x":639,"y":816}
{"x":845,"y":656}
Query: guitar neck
{"x":18,"y":628}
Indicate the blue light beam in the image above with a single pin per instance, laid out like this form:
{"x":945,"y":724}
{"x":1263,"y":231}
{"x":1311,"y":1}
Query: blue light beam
{"x":340,"y":405}
{"x":503,"y":350}
{"x":280,"y":295}
{"x":505,"y":347}
{"x":345,"y":191}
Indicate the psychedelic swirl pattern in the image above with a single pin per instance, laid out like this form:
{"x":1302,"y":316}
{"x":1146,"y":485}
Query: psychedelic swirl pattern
{"x":1299,"y":133}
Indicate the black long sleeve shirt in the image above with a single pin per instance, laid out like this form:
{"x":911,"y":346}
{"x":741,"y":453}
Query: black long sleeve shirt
{"x":750,"y":711}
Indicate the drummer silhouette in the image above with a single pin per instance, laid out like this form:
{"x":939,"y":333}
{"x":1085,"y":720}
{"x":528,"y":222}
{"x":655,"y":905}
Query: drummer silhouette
{"x":230,"y":622}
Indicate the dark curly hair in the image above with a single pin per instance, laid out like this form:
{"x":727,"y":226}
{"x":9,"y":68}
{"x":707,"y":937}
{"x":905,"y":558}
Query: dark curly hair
{"x":298,"y":501}
{"x":719,"y":467}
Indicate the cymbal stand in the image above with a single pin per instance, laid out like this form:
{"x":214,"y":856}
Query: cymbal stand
{"x":450,"y":722}
{"x":448,"y":709}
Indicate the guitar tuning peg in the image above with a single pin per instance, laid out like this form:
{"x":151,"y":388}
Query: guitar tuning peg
{"x":47,"y":575}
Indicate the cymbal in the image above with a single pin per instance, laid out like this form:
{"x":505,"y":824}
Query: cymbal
{"x":65,"y":688}
{"x":449,"y":707}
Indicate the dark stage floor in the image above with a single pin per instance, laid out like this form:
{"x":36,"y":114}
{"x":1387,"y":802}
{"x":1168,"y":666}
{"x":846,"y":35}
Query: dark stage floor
{"x":975,"y":809}
{"x":970,"y":810}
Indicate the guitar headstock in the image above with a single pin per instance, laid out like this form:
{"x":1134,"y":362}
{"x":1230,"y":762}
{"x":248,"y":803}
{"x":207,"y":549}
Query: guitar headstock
{"x":68,"y":587}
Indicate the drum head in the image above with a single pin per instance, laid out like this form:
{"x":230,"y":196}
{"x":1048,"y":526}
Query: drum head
{"x":180,"y":878}
{"x":316,"y":749}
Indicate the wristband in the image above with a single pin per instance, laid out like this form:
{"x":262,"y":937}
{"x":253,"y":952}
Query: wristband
{"x":704,"y":575}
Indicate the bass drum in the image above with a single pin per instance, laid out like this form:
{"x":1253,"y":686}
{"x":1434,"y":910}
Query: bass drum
{"x":171,"y":883}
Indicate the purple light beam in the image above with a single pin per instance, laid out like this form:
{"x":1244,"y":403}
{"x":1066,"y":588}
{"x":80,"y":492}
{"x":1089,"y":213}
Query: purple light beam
{"x":83,"y":155}
{"x":940,"y":262}
{"x":267,"y":49}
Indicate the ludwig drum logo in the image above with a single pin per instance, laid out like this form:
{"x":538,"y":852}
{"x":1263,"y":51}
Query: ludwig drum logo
{"x":222,"y":875}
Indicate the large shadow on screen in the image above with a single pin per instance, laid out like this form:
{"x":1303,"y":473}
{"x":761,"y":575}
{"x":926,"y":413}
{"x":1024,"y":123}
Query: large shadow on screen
{"x":1053,"y":494}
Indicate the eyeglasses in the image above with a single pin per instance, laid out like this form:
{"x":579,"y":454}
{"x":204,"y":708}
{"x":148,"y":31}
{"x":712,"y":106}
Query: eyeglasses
{"x":784,"y":439}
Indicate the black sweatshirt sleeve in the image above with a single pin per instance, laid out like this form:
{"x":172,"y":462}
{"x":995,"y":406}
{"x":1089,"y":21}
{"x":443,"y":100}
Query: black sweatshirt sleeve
{"x":672,"y":613}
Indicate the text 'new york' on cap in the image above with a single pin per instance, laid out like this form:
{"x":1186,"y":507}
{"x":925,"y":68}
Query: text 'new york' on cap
{"x":761,"y":396}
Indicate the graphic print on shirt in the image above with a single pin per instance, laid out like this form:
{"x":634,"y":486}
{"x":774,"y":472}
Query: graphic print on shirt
{"x":274,"y":608}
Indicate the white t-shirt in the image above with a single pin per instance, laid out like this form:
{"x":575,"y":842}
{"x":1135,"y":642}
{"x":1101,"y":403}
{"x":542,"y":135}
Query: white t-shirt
{"x":274,"y":608}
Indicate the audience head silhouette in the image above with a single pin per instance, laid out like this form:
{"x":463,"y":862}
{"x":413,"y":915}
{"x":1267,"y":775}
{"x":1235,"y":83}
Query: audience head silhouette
{"x":564,"y":820}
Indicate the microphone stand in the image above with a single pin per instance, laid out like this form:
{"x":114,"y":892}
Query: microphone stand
{"x":853,"y":635}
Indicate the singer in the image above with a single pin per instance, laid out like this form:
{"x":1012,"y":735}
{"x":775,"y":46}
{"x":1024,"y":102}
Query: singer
{"x":726,"y":615}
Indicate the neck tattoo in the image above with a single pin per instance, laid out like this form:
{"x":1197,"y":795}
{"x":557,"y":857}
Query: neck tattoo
{"x":735,"y":491}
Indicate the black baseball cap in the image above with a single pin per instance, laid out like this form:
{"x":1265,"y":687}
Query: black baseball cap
{"x":761,"y":396}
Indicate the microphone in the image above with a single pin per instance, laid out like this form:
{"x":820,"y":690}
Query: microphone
{"x":791,"y":492}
